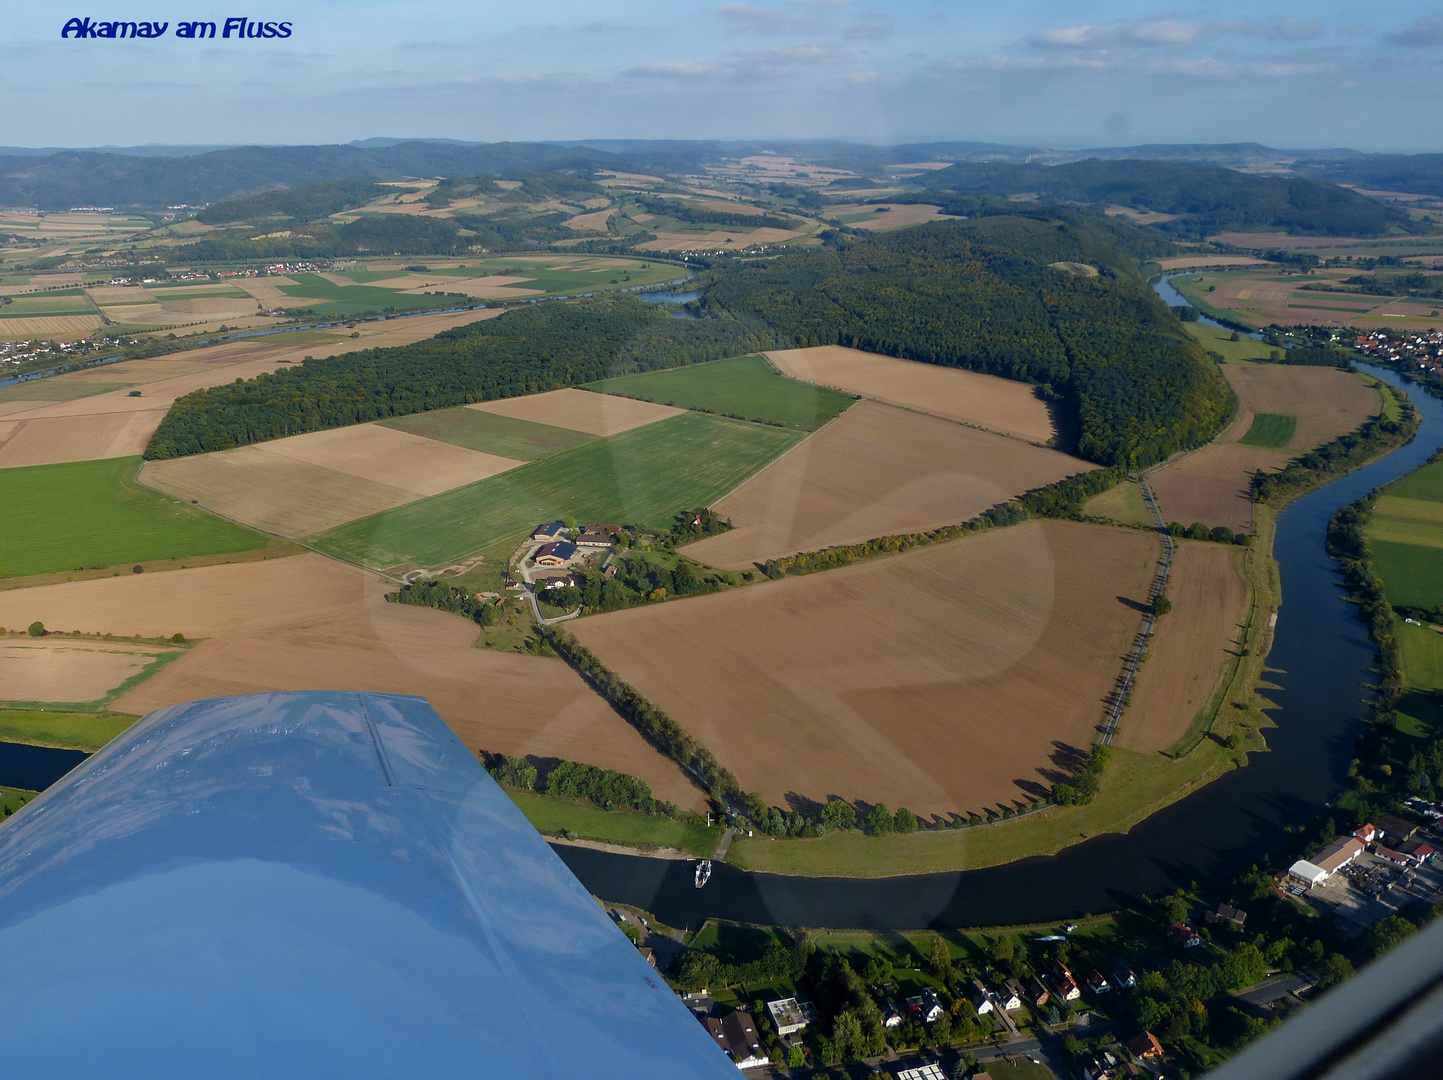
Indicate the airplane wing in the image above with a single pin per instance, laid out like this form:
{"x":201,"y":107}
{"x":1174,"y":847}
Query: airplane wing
{"x":312,"y":885}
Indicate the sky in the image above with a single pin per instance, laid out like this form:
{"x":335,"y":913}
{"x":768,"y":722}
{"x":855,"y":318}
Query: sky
{"x":1022,"y":72}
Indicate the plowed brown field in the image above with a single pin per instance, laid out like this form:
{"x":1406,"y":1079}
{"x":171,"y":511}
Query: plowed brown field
{"x":873,"y":471}
{"x":951,"y":393}
{"x":1189,"y":647}
{"x":949,"y":679}
{"x":581,"y":410}
{"x":302,"y":485}
{"x":307,"y":622}
{"x":1211,"y":485}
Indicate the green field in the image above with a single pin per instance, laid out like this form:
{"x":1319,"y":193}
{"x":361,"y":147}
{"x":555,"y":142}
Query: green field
{"x":56,"y":390}
{"x":1270,"y":429}
{"x":67,"y":302}
{"x":92,"y":513}
{"x":1419,"y":715}
{"x":72,"y":730}
{"x":491,"y":433}
{"x":1406,"y":535}
{"x":1121,"y":503}
{"x":314,"y":291}
{"x":1421,"y":654}
{"x":1018,"y":1068}
{"x":200,"y":291}
{"x":1412,"y":575}
{"x":744,"y":386}
{"x":644,"y":476}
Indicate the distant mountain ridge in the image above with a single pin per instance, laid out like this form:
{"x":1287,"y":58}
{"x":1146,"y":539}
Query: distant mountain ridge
{"x":152,"y":177}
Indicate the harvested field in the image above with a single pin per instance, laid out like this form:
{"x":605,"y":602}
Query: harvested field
{"x":1190,"y":646}
{"x":66,"y":327}
{"x":307,"y":621}
{"x":47,"y":440}
{"x":946,"y":680}
{"x":719,"y":238}
{"x":115,"y":424}
{"x":70,"y":671}
{"x":1203,"y":258}
{"x":580,"y":410}
{"x":874,"y":471}
{"x":888,"y":215}
{"x":593,"y":222}
{"x":497,"y":287}
{"x":980,"y":400}
{"x":307,"y":483}
{"x":490,"y":432}
{"x":1211,"y":485}
{"x":105,"y":295}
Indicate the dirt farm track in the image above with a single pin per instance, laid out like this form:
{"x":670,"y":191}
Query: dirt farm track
{"x":949,"y":679}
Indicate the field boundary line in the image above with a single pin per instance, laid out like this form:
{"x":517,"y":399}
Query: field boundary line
{"x":806,"y":437}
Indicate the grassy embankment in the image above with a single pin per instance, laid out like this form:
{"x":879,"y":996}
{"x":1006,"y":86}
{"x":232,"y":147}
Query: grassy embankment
{"x":62,"y":728}
{"x":91,"y":515}
{"x":561,"y":817}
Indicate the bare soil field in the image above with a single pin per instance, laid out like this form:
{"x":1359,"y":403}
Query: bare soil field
{"x":308,"y":483}
{"x":46,"y":440}
{"x":1202,"y":258}
{"x":592,"y":222}
{"x":949,"y":679}
{"x":581,"y":410}
{"x":717,"y":238}
{"x":1190,"y":646}
{"x":1211,"y":485}
{"x":60,"y":327}
{"x":60,"y":670}
{"x":894,"y":216}
{"x":107,"y":295}
{"x":979,"y":400}
{"x":115,"y":424}
{"x":307,"y":622}
{"x":874,"y":471}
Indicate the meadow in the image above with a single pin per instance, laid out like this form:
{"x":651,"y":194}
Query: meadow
{"x":1270,"y":429}
{"x":314,"y":291}
{"x":59,"y":302}
{"x":55,"y":727}
{"x":743,"y":386}
{"x":1241,"y":351}
{"x":1406,"y":534}
{"x":647,"y":475}
{"x":92,"y":513}
{"x":1421,"y":654}
{"x":491,"y":433}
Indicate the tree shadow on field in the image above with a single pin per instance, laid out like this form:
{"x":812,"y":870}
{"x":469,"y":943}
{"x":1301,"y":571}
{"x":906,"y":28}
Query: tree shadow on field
{"x":1136,"y":605}
{"x":808,"y":808}
{"x":1068,"y":761}
{"x":1035,"y":788}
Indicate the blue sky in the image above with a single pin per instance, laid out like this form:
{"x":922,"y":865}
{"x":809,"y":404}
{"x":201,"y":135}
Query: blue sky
{"x":1036,"y":71}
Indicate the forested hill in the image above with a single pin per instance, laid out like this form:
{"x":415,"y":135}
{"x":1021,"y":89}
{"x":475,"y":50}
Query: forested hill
{"x":982,"y":296}
{"x":525,"y":351}
{"x":305,"y":203}
{"x":1206,"y":199}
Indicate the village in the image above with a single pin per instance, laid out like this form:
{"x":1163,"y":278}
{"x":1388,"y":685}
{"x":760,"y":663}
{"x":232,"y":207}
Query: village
{"x":1421,"y":348}
{"x":1088,"y":999}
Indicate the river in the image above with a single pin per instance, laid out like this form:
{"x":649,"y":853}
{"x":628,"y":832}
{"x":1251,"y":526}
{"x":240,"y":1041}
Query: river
{"x":1325,"y":659}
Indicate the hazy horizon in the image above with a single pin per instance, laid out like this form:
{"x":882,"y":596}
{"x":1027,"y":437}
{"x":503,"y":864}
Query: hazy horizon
{"x":1033,"y":74}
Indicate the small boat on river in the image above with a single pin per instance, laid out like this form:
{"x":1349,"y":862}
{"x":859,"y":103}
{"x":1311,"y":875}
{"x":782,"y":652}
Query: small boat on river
{"x":703,"y":872}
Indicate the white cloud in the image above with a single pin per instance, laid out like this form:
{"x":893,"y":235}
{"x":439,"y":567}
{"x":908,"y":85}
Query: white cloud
{"x":675,"y":69}
{"x":1145,"y":33}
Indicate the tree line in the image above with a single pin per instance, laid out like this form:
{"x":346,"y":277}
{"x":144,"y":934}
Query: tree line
{"x":534,"y":348}
{"x":1106,"y":349}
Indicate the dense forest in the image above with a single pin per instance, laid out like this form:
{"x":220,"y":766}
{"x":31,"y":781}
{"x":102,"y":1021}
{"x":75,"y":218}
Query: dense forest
{"x":305,"y":203}
{"x":1205,"y":199}
{"x":528,"y":350}
{"x":984,"y":298}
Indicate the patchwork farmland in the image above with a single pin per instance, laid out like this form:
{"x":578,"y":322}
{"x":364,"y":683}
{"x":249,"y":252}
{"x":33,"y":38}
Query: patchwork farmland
{"x":644,"y":475}
{"x":1211,"y":485}
{"x":875,"y":471}
{"x":985,"y":401}
{"x":305,"y":621}
{"x":946,"y":680}
{"x":1406,"y":535}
